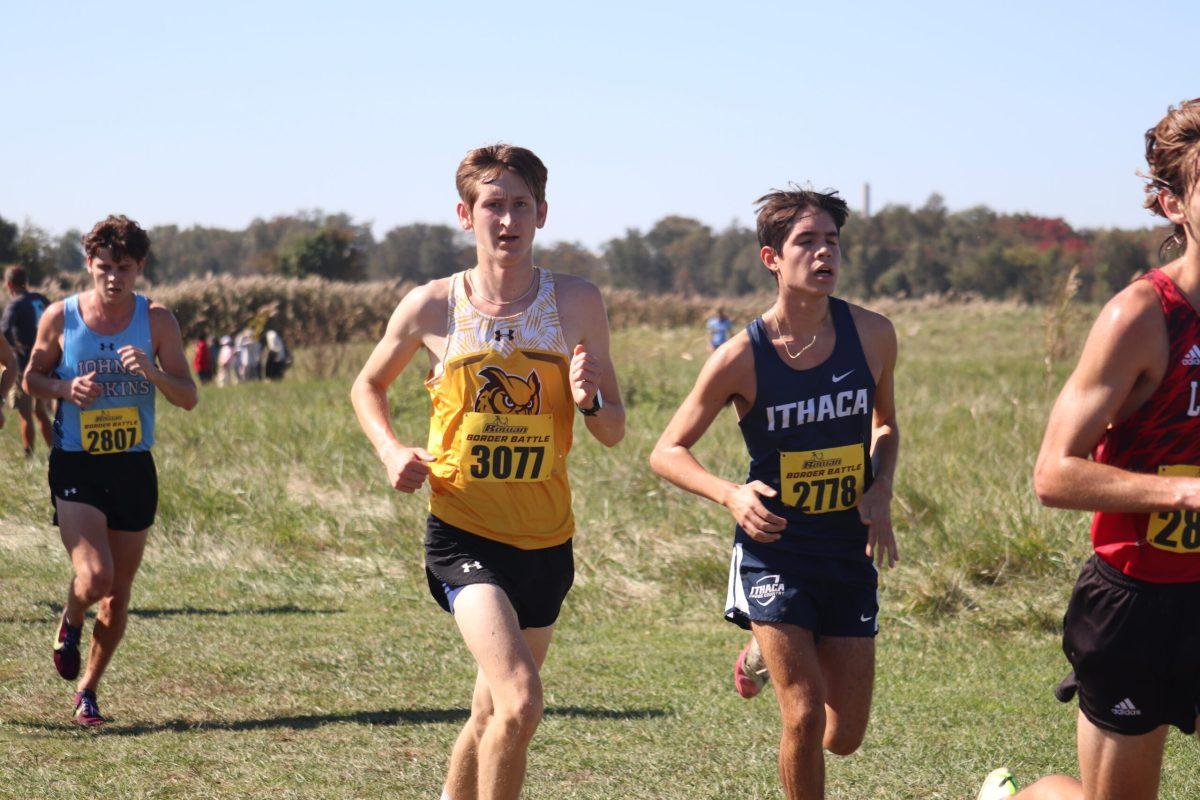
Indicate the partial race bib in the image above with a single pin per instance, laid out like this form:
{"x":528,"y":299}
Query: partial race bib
{"x":1176,"y":531}
{"x":507,"y":447}
{"x":821,"y":481}
{"x":110,"y":430}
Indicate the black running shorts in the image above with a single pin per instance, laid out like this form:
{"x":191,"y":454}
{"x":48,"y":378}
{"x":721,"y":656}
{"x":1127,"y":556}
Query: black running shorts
{"x":1134,"y":647}
{"x":535,"y":581}
{"x":124,"y":486}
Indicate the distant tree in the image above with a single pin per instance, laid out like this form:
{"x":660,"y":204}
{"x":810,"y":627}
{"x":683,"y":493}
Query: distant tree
{"x":1119,"y":256}
{"x":573,"y":259}
{"x":634,"y":265}
{"x":8,"y":241}
{"x":420,"y":253}
{"x":68,"y":252}
{"x":328,"y":253}
{"x":34,"y":251}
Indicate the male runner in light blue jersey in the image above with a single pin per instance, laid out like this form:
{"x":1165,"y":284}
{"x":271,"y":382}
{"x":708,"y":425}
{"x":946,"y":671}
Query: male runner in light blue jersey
{"x":105,"y":352}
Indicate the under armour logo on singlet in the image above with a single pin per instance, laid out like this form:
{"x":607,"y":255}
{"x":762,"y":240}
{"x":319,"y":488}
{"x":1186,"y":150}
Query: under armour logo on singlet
{"x":501,"y":334}
{"x":108,"y":346}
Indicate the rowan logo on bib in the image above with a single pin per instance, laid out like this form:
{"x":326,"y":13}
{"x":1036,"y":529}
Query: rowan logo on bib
{"x":503,"y":393}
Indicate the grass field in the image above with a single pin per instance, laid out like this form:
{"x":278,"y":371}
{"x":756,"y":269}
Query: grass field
{"x":283,"y":643}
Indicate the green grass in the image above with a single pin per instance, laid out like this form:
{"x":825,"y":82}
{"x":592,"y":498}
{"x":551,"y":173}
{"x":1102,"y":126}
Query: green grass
{"x":283,"y":643}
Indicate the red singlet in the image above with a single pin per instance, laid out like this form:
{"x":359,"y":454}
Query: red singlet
{"x":1163,"y":437}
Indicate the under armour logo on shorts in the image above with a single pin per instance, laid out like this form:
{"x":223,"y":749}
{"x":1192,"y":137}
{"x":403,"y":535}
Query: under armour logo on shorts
{"x":470,"y":565}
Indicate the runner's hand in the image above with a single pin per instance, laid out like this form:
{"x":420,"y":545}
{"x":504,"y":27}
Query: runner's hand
{"x":749,"y":512}
{"x":407,"y":467}
{"x":585,"y":374}
{"x":875,"y":510}
{"x":135,"y":360}
{"x":83,"y":390}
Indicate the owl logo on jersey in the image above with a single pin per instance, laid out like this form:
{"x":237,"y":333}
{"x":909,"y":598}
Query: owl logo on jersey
{"x":508,"y":394}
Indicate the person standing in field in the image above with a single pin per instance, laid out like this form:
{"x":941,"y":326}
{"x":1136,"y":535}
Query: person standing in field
{"x":105,"y":353}
{"x":514,"y":350}
{"x":1131,"y":630}
{"x":19,"y":324}
{"x":718,"y":327}
{"x":811,"y":383}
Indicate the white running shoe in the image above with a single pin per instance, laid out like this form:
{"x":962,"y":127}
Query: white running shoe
{"x":998,"y":785}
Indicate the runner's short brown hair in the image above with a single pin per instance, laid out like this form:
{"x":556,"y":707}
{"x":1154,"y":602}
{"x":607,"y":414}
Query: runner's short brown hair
{"x":1173,"y":159}
{"x":121,"y":235}
{"x":484,"y":163}
{"x":779,"y":210}
{"x":17,"y":276}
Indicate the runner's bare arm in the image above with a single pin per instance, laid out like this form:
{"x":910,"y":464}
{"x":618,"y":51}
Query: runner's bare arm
{"x":724,"y":376}
{"x":592,"y":370}
{"x":168,"y":369}
{"x":43,"y":360}
{"x":8,"y":362}
{"x":407,"y":467}
{"x":875,"y":506}
{"x":1119,"y":368}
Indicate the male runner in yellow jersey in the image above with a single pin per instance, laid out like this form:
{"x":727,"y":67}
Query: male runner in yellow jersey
{"x":514,"y":350}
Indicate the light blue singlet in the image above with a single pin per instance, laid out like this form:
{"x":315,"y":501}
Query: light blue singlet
{"x":122,"y":418}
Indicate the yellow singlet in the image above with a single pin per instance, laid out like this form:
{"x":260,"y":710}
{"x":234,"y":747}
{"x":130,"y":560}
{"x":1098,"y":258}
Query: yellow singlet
{"x":501,"y":422}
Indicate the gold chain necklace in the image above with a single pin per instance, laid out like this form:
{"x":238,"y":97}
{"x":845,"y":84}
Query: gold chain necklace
{"x":532,"y":283}
{"x":788,"y":350}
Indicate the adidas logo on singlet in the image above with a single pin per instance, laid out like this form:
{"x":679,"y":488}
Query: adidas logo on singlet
{"x":1192,"y":358}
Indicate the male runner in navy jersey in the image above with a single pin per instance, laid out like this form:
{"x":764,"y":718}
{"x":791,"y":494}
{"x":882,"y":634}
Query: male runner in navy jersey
{"x":19,"y":326}
{"x":1132,"y":630}
{"x":811,"y":382}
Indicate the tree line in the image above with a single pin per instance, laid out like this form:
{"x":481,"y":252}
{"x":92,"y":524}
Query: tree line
{"x":900,"y":251}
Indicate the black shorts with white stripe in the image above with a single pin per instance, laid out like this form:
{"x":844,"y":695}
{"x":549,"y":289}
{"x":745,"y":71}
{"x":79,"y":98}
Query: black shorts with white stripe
{"x":1134,"y":648}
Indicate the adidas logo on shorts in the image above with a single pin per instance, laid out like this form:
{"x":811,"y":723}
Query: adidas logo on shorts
{"x":1192,"y":358}
{"x":1126,"y":708}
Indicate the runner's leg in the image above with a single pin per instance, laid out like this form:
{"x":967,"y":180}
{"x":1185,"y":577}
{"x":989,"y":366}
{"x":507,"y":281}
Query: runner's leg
{"x":23,"y":403}
{"x":1114,"y":767}
{"x":464,"y":760}
{"x":489,"y":626}
{"x":126,"y":548}
{"x":84,"y":533}
{"x":40,"y":410}
{"x":791,"y":656}
{"x":848,"y":667}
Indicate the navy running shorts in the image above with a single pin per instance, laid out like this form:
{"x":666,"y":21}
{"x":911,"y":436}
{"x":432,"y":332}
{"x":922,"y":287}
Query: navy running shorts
{"x":830,"y":597}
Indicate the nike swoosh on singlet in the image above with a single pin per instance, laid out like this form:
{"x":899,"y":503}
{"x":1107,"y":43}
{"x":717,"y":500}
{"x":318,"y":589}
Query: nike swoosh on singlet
{"x":837,"y":378}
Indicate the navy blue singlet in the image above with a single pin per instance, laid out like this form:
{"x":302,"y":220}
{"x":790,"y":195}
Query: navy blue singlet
{"x":809,"y":437}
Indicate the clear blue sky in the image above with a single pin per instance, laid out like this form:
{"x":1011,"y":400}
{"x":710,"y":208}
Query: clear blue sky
{"x":223,"y":112}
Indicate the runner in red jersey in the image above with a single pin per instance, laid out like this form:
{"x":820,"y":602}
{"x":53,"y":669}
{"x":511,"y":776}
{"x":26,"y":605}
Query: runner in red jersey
{"x":1132,"y":628}
{"x":1162,"y":436}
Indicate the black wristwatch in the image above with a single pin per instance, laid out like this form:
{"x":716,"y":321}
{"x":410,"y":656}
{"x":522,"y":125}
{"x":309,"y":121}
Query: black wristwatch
{"x":597,"y":404}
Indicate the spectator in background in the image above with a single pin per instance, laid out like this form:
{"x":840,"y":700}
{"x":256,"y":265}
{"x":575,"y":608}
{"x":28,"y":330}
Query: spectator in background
{"x":249,"y":356}
{"x":202,"y":361}
{"x":19,"y":323}
{"x":226,"y":363}
{"x":278,"y":359}
{"x":719,"y":327}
